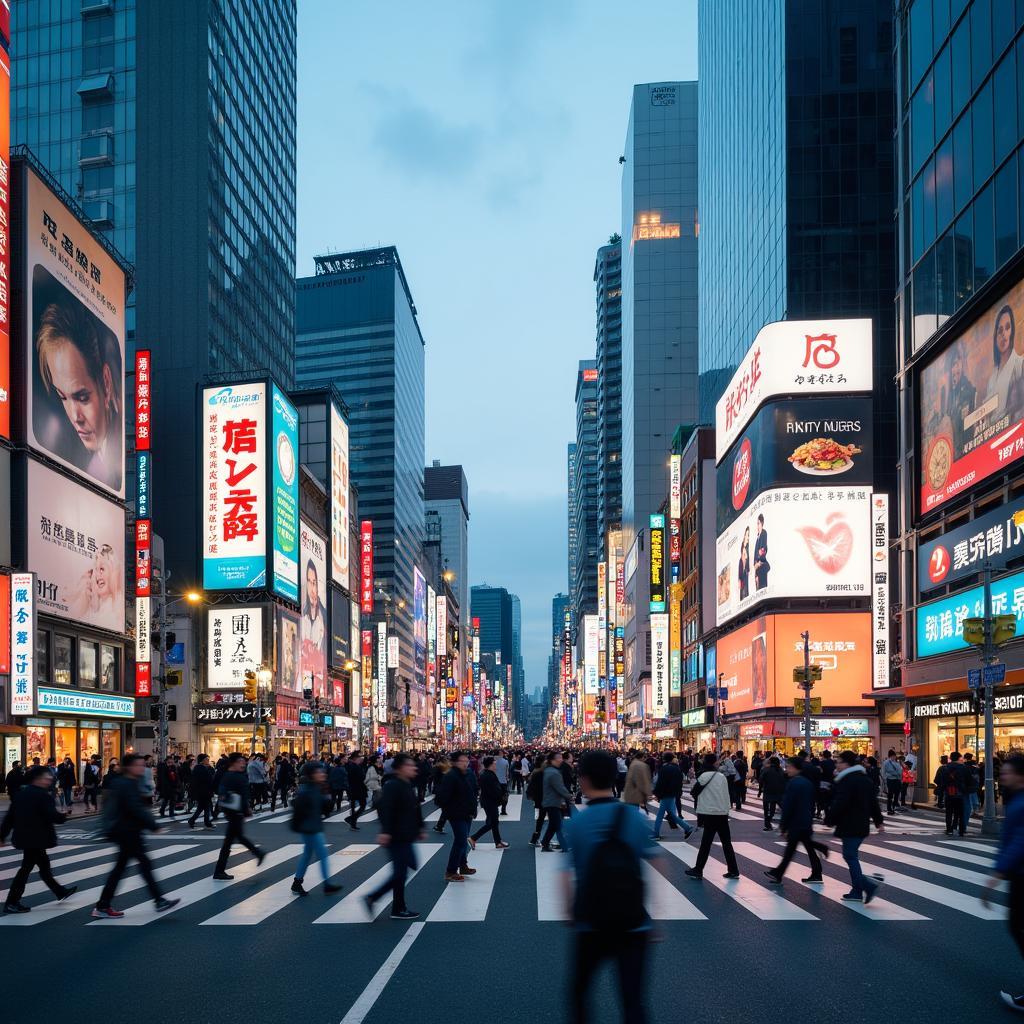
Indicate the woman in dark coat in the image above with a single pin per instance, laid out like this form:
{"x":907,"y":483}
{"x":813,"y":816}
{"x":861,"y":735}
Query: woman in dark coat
{"x":490,"y":800}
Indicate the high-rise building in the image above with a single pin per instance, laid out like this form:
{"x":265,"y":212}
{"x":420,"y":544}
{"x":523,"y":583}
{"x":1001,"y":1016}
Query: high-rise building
{"x":356,"y":327}
{"x":559,"y":603}
{"x":796,"y":115}
{"x":588,"y":543}
{"x":960,"y":224}
{"x":446,"y":493}
{"x":160,"y":115}
{"x":518,"y":677}
{"x":608,"y":300}
{"x":493,"y":606}
{"x":570,"y":463}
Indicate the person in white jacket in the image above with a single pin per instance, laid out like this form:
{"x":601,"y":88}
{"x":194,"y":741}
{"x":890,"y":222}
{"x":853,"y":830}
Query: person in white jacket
{"x":713,"y":803}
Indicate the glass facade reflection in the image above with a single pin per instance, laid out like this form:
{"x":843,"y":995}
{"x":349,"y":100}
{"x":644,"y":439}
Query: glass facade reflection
{"x":587,"y":483}
{"x":608,"y":299}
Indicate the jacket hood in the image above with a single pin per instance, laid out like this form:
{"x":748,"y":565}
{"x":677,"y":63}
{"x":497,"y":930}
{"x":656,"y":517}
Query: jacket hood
{"x":853,"y":769}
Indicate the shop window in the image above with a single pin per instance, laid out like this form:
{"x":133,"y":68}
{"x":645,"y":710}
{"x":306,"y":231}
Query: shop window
{"x":108,"y":669}
{"x":62,"y":660}
{"x":88,"y":743}
{"x":111,"y":738}
{"x":43,"y":655}
{"x":65,"y":741}
{"x":37,"y":743}
{"x":88,"y":664}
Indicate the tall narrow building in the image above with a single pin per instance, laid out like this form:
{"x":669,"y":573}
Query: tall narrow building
{"x":588,"y":543}
{"x":608,"y":302}
{"x":356,"y":327}
{"x":570,"y":465}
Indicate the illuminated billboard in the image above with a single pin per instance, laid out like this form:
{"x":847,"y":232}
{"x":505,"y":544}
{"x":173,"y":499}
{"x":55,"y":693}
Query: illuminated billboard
{"x":419,"y":626}
{"x":313,"y":621}
{"x":590,"y":648}
{"x":971,"y":401}
{"x":288,"y":675}
{"x":660,"y":681}
{"x":799,"y":358}
{"x":339,"y":499}
{"x":285,"y":441}
{"x":234,"y":645}
{"x":795,"y":542}
{"x":366,"y":567}
{"x":5,"y":243}
{"x":657,"y":535}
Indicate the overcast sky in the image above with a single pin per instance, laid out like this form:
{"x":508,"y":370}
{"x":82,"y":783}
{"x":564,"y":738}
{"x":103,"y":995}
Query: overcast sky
{"x":482,"y":139}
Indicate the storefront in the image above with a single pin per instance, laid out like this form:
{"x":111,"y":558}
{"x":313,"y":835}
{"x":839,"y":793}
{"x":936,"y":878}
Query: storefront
{"x":77,"y":724}
{"x":664,"y":739}
{"x":944,"y":725}
{"x":227,"y":725}
{"x":785,"y":736}
{"x":695,"y":731}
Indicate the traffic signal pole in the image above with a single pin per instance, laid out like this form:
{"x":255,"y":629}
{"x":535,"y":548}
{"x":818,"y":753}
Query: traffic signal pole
{"x":988,"y":818}
{"x":806,"y":636}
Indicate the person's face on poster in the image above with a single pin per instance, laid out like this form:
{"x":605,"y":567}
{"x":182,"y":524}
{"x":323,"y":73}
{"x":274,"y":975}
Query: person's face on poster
{"x":86,"y":401}
{"x":312,"y":595}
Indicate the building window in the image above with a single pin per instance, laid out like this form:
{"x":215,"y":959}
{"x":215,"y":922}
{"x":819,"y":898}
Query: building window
{"x":42,"y":655}
{"x":88,"y":664}
{"x":62,"y":670}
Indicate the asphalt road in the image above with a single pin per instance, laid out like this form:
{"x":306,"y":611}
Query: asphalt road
{"x":494,"y":947}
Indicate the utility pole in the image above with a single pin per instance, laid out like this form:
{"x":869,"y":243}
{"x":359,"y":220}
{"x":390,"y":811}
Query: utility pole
{"x":988,"y":814}
{"x":717,"y":722}
{"x":807,"y":690}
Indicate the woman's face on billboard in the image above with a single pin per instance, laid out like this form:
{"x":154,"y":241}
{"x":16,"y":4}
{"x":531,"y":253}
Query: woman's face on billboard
{"x":101,"y":574}
{"x":83,"y":398}
{"x":1004,"y":334}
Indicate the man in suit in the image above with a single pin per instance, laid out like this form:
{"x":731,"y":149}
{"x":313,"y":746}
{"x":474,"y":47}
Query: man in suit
{"x":761,"y":565}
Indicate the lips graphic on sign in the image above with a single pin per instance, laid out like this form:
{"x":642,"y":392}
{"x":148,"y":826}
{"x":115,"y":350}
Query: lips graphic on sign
{"x":829,"y":548}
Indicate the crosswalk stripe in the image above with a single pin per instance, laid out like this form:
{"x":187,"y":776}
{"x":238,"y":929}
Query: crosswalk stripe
{"x":761,"y":902}
{"x":141,"y":913}
{"x":832,"y":889}
{"x":550,"y":904}
{"x":515,"y":811}
{"x":84,"y":899}
{"x":273,"y":898}
{"x":909,"y":860}
{"x":985,"y":862}
{"x":14,"y":856}
{"x":971,"y":844}
{"x":60,"y":861}
{"x":352,"y":909}
{"x":468,"y":900}
{"x":664,"y":901}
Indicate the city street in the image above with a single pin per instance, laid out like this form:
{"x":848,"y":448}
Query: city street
{"x":495,"y":946}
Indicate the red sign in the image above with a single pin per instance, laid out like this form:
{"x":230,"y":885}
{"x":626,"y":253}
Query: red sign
{"x":143,"y":679}
{"x":5,"y":625}
{"x":590,"y":375}
{"x":741,"y":475}
{"x":5,"y":234}
{"x":476,"y":623}
{"x":143,"y":557}
{"x":366,"y":567}
{"x":367,"y":642}
{"x":906,"y":728}
{"x":143,"y":396}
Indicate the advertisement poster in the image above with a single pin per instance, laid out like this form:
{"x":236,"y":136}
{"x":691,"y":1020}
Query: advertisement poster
{"x":590,"y":648}
{"x":288,"y":676}
{"x":419,"y":627}
{"x":234,"y":503}
{"x":972,"y":404}
{"x":76,"y":545}
{"x":795,"y":542}
{"x":659,"y":665}
{"x":380,"y":701}
{"x":799,"y":358}
{"x":339,"y":499}
{"x":880,"y":590}
{"x":341,"y":629}
{"x":234,"y":644}
{"x":74,"y":395}
{"x":313,"y":623}
{"x":657,"y":536}
{"x":23,"y":643}
{"x":805,"y":443}
{"x":5,"y":625}
{"x":285,"y":439}
{"x":756,"y":661}
{"x":5,"y":246}
{"x":442,"y":626}
{"x":366,"y":567}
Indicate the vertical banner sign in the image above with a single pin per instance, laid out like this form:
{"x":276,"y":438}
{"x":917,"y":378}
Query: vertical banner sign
{"x":23,"y":643}
{"x":620,"y":589}
{"x":366,"y":645}
{"x":675,"y":513}
{"x":590,"y":652}
{"x":431,"y":638}
{"x":613,"y":569}
{"x":476,"y":662}
{"x":675,"y":615}
{"x":880,"y":590}
{"x":442,"y":626}
{"x":143,"y":653}
{"x":381,"y":702}
{"x":659,"y":665}
{"x":234,"y":519}
{"x":366,"y":567}
{"x":657,"y":525}
{"x":143,"y":557}
{"x":5,"y":242}
{"x":143,"y":400}
{"x":392,"y":652}
{"x":602,"y":621}
{"x":143,"y":516}
{"x":285,"y":442}
{"x":5,"y":625}
{"x":339,"y":498}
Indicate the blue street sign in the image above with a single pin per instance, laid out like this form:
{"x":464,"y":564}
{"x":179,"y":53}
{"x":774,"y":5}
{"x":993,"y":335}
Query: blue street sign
{"x":974,"y":678}
{"x":994,"y":674}
{"x":712,"y":692}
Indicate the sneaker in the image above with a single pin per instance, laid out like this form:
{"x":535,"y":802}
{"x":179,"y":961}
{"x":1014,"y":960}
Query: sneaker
{"x":259,"y":855}
{"x":404,"y":915}
{"x":69,"y":890}
{"x":871,"y":893}
{"x":352,"y":825}
{"x":453,"y":877}
{"x":546,"y":849}
{"x":297,"y":888}
{"x":812,"y":878}
{"x":107,"y":912}
{"x":368,"y":902}
{"x":501,"y":846}
{"x":852,"y":897}
{"x":731,"y":874}
{"x":1013,"y":1002}
{"x":534,"y":841}
{"x":693,"y":873}
{"x":767,"y":828}
{"x":466,"y":870}
{"x":222,"y":876}
{"x":774,"y":876}
{"x":471,"y":841}
{"x":689,"y":832}
{"x":18,"y":908}
{"x":163,"y":904}
{"x":437,"y":828}
{"x":330,"y":887}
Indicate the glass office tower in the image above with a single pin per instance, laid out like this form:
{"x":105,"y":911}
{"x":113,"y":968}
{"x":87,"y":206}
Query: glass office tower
{"x":608,"y":301}
{"x":588,"y":542}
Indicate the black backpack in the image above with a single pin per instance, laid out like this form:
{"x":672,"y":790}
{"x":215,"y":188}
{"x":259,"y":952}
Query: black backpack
{"x":611,"y":895}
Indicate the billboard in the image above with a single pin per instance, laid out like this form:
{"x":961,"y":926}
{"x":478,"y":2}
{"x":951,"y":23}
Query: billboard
{"x":971,"y":400}
{"x":380,"y":702}
{"x":23,"y":643}
{"x":288,"y":675}
{"x":419,"y":626}
{"x":820,"y":546}
{"x":659,"y":665}
{"x":234,"y":517}
{"x":76,"y":545}
{"x":285,"y":442}
{"x":442,"y":626}
{"x":341,"y":629}
{"x":940,"y":624}
{"x":74,"y":391}
{"x":794,"y":357}
{"x":590,"y":648}
{"x":675,"y":488}
{"x":880,"y":590}
{"x":961,"y":554}
{"x":657,"y":525}
{"x":234,"y":645}
{"x":5,"y":625}
{"x":313,"y":623}
{"x":143,"y":647}
{"x":803,"y":443}
{"x":339,"y":499}
{"x":756,"y":661}
{"x":5,"y":240}
{"x":366,"y":567}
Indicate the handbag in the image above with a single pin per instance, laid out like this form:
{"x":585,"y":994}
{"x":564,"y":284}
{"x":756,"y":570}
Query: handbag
{"x":230,"y":801}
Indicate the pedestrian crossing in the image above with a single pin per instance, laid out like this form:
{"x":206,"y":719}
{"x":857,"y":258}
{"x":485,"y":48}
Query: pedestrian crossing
{"x":922,"y":881}
{"x":514,"y":809}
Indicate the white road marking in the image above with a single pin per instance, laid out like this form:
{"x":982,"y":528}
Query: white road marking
{"x":550,"y":905}
{"x":948,"y":870}
{"x":364,"y":1004}
{"x":468,"y":900}
{"x":941,"y":851}
{"x":57,"y":859}
{"x":970,"y":845}
{"x":664,"y":901}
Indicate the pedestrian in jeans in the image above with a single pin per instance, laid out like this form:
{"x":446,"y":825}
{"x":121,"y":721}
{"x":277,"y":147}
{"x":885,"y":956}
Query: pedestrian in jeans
{"x":892,"y":776}
{"x":556,"y":800}
{"x":667,"y":790}
{"x":338,"y":780}
{"x":491,"y":792}
{"x":458,"y":801}
{"x":125,"y":818}
{"x":972,"y":785}
{"x":401,"y":824}
{"x":956,"y":787}
{"x":607,"y":926}
{"x":66,"y":779}
{"x":233,"y":800}
{"x":772,"y":780}
{"x":1009,"y":866}
{"x":854,"y":806}
{"x":91,"y":782}
{"x":308,"y":810}
{"x":713,"y":802}
{"x":797,"y":822}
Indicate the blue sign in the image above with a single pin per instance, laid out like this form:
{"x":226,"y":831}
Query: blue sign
{"x":711,"y":664}
{"x":713,"y":692}
{"x":328,"y":720}
{"x":60,"y":701}
{"x":176,"y":655}
{"x":144,"y":463}
{"x":285,"y":500}
{"x":940,"y":624}
{"x":993,"y":675}
{"x":974,"y":678}
{"x":305,"y":718}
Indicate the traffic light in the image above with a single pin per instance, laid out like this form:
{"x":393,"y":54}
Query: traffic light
{"x":307,"y":693}
{"x":170,"y":640}
{"x":173,"y":678}
{"x":1004,"y":628}
{"x":974,"y":632}
{"x":251,"y":690}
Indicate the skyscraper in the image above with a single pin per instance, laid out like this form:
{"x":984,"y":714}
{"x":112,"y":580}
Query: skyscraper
{"x":446,"y":492}
{"x":356,"y":326}
{"x":608,"y":301}
{"x":158,"y":115}
{"x":518,"y":678}
{"x":493,"y":606}
{"x":570,"y":464}
{"x":585,"y":488}
{"x":559,"y":603}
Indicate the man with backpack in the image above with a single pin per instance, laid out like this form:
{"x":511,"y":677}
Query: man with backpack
{"x":604,"y":888}
{"x":667,"y":790}
{"x":956,"y":788}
